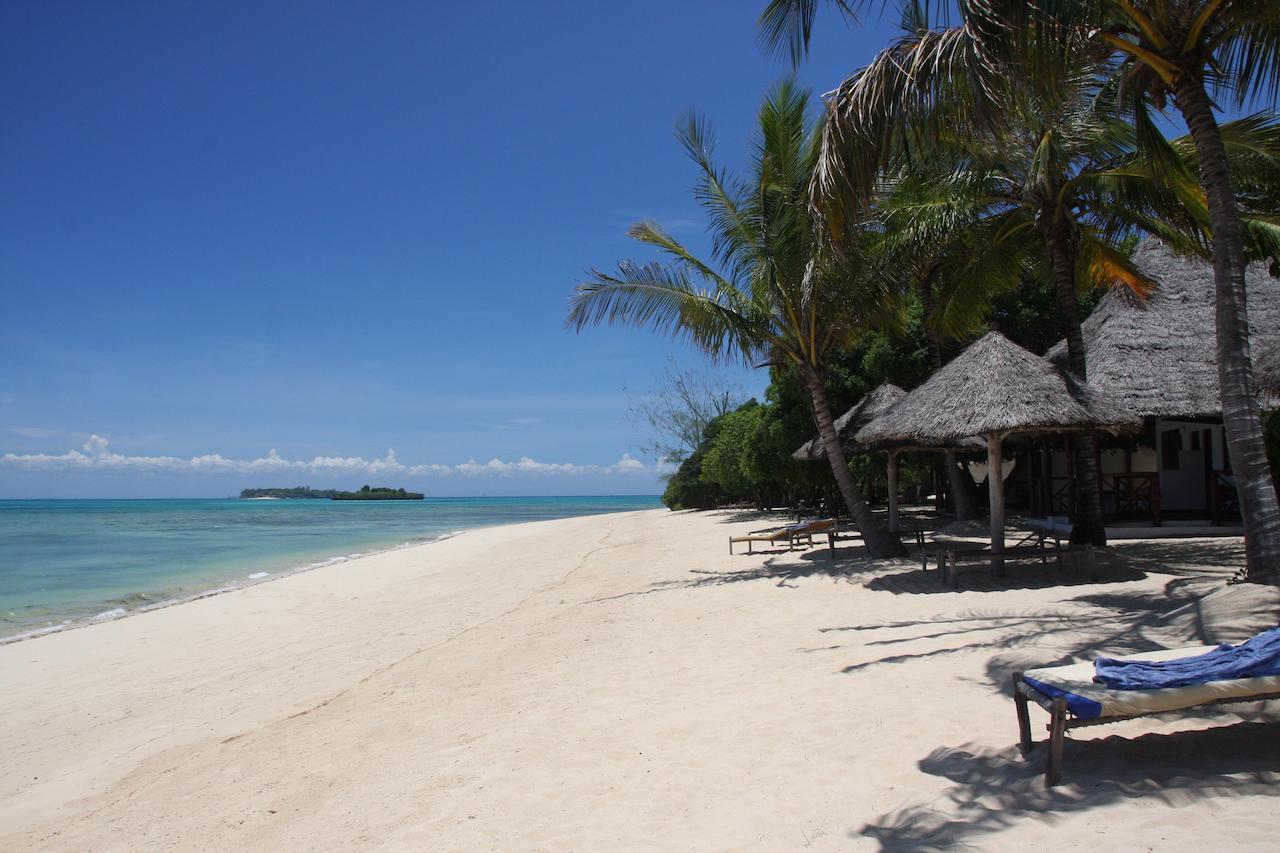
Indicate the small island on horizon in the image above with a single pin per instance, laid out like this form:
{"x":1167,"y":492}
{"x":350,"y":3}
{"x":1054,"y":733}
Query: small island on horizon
{"x":376,"y":493}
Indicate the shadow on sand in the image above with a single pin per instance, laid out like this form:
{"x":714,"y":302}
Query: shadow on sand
{"x":1124,"y":621}
{"x":994,"y":789}
{"x":1019,"y":574}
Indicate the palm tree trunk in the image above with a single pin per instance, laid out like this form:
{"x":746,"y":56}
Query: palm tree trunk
{"x":878,"y":541}
{"x":961,"y":493}
{"x":1087,"y":522}
{"x":1243,"y":426}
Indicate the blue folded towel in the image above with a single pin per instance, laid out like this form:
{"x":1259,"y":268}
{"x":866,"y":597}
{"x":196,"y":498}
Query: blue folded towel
{"x":1254,"y":657}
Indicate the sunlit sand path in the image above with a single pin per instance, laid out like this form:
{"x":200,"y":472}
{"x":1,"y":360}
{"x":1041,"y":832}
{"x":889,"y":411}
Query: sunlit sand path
{"x":617,"y":682}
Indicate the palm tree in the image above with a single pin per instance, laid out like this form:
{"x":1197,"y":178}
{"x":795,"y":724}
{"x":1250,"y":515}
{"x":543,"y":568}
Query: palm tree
{"x":768,"y":294}
{"x":1171,"y":49}
{"x":1054,"y":161}
{"x":1184,"y":50}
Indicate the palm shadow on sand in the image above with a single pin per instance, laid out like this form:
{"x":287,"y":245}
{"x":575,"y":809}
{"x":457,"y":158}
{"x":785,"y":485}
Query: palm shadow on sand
{"x":994,"y":789}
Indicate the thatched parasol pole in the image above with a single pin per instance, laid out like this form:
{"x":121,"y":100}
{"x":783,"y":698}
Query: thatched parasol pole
{"x":893,"y":491}
{"x":995,"y":488}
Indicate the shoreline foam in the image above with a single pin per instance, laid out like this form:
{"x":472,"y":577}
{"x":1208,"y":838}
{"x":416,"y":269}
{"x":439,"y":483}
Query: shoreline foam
{"x":250,"y":580}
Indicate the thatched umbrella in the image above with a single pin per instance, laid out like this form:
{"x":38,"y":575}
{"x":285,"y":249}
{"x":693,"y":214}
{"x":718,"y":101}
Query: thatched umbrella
{"x":993,"y":389}
{"x":875,"y":403}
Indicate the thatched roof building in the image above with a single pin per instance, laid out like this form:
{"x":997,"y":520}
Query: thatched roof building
{"x":876,"y":402}
{"x":994,"y":386}
{"x":1157,"y":357}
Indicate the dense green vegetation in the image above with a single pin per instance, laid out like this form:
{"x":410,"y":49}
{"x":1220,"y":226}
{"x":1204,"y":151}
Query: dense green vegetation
{"x":1071,"y":86}
{"x":378,"y":493}
{"x":745,"y":455}
{"x":297,"y":492}
{"x":991,"y":167}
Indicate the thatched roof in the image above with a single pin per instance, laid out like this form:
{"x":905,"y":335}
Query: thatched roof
{"x":1158,"y":357}
{"x":876,"y":402}
{"x":993,"y":386}
{"x":1266,"y":365}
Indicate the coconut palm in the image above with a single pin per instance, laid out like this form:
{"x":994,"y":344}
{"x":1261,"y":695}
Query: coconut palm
{"x":1179,"y":51}
{"x":767,"y":295}
{"x":1191,"y":52}
{"x":1054,"y":163}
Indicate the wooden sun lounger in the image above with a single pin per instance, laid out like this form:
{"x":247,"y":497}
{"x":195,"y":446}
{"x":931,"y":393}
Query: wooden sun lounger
{"x":1114,"y":706}
{"x":792,"y":535}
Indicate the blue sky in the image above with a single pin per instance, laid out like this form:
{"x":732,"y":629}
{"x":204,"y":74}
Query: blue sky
{"x":336,"y":230}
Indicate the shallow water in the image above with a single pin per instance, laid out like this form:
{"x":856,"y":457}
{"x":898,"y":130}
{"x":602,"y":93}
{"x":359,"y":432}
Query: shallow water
{"x":73,"y":561}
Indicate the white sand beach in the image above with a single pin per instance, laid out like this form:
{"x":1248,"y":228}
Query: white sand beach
{"x":621,"y":682}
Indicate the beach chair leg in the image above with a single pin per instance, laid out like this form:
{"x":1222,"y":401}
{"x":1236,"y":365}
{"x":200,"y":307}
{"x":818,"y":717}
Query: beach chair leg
{"x":1024,"y":718}
{"x":1057,"y":732}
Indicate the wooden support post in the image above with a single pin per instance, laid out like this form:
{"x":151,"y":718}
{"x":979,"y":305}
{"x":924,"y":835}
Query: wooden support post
{"x":892,"y":491}
{"x":1097,"y":464}
{"x":1155,"y":500}
{"x":995,"y":488}
{"x":1024,"y":719}
{"x":1070,"y":442}
{"x":1057,"y":731}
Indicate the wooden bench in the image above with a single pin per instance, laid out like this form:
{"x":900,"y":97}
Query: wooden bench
{"x":1035,"y":544}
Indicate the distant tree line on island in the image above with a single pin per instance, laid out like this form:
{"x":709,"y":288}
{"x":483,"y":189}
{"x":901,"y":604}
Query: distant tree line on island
{"x":376,"y":493}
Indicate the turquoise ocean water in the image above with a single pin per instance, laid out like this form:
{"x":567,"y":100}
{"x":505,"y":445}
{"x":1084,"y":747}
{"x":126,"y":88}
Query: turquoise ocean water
{"x":72,"y":561}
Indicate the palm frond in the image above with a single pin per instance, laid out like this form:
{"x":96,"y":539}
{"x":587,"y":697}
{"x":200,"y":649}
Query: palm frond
{"x":664,"y":300}
{"x":1100,"y":264}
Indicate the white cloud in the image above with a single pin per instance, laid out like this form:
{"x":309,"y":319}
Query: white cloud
{"x":96,"y":455}
{"x":627,"y":463}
